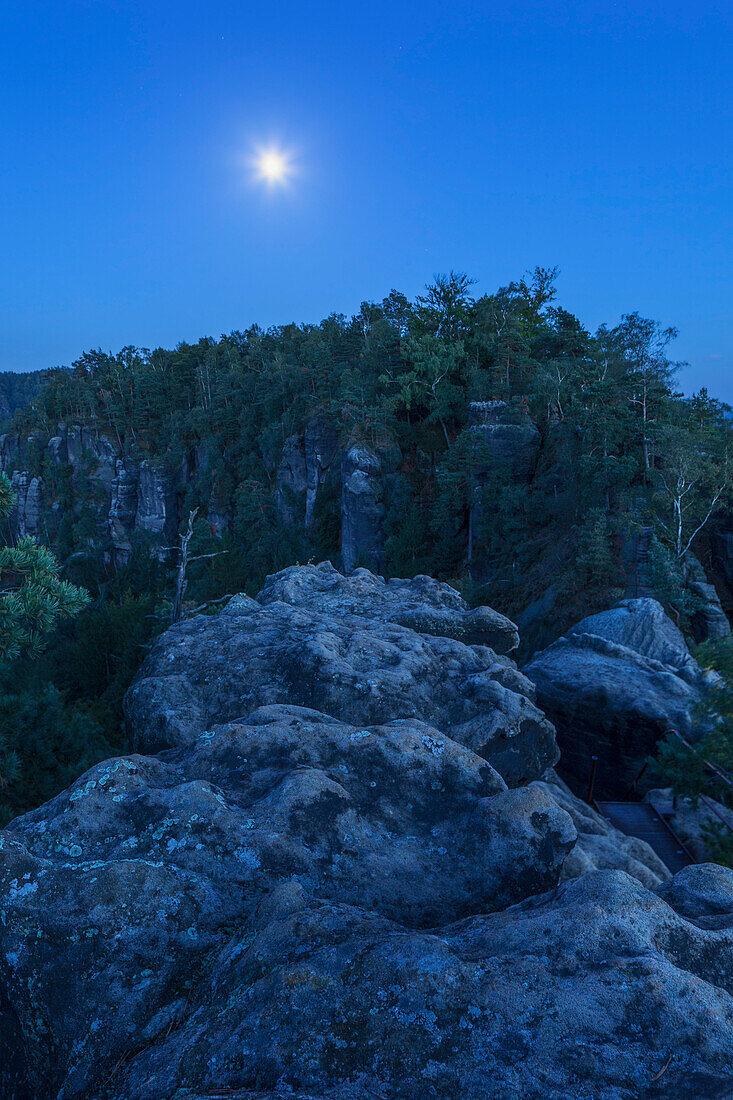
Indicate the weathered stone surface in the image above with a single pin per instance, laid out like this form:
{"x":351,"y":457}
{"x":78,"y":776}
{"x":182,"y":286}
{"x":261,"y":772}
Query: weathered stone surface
{"x":613,"y":685}
{"x":292,"y":481}
{"x":156,"y":505}
{"x":362,"y":509}
{"x":590,"y":991}
{"x":320,"y":445}
{"x":311,"y":905}
{"x":25,"y":518}
{"x":115,"y":893}
{"x":710,"y":620}
{"x":8,"y":451}
{"x":364,"y":670}
{"x":123,"y":506}
{"x":513,"y":441}
{"x":423,"y":604}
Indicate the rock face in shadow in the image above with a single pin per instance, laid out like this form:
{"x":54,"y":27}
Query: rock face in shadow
{"x":511,"y":438}
{"x":303,"y":469}
{"x":709,"y":620}
{"x":288,"y":902}
{"x":362,"y":509}
{"x":25,"y":518}
{"x":613,"y":685}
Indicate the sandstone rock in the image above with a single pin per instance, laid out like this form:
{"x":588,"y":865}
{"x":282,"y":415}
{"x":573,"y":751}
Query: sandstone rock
{"x":709,"y":621}
{"x":323,"y":903}
{"x":123,"y":506}
{"x":57,"y":450}
{"x":423,"y":604}
{"x":613,"y":685}
{"x":156,"y":503}
{"x":362,"y":509}
{"x":590,"y":991}
{"x":117,"y":892}
{"x":358,"y":668}
{"x":320,"y":445}
{"x":292,"y":481}
{"x":25,"y":518}
{"x":8,"y":451}
{"x":513,"y":440}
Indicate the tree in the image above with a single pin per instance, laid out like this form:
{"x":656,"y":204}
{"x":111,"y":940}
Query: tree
{"x":32,"y":594}
{"x":704,"y":770}
{"x":690,"y":485}
{"x":641,"y":347}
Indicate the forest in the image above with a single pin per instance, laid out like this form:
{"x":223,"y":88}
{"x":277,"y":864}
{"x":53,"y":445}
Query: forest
{"x":615,"y":450}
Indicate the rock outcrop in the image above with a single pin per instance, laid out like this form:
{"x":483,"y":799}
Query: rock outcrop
{"x":709,"y":621}
{"x":25,"y":518}
{"x":318,"y":888}
{"x":304,"y":466}
{"x":362,"y":509}
{"x":510,"y":437}
{"x":613,"y":685}
{"x":363,"y":667}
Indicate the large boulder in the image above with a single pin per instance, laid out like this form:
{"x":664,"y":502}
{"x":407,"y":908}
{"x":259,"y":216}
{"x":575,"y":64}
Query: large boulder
{"x":318,"y":652}
{"x":119,"y":894}
{"x":613,"y":686}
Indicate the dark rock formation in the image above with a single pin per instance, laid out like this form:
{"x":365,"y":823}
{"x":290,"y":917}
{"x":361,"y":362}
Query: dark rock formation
{"x":710,"y":620}
{"x":512,"y":439}
{"x":322,"y":903}
{"x":320,"y":445}
{"x":292,"y":481}
{"x":613,"y":685}
{"x":25,"y":518}
{"x":357,"y":667}
{"x":362,"y":509}
{"x":123,"y":506}
{"x":156,"y":502}
{"x":304,"y":466}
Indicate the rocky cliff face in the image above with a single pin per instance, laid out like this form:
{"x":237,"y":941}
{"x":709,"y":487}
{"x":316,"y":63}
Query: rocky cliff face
{"x":512,"y":439}
{"x":337,"y":867}
{"x":128,"y":497}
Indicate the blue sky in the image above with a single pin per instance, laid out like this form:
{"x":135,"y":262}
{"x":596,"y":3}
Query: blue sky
{"x":484,"y":138}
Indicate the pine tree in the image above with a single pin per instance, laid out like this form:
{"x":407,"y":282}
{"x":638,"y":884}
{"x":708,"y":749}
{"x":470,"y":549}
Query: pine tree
{"x":32,"y":594}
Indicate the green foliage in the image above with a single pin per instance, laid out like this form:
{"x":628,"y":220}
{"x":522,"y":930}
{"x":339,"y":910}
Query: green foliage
{"x":43,"y":747}
{"x":667,"y":578}
{"x":687,"y":769}
{"x":32,"y":594}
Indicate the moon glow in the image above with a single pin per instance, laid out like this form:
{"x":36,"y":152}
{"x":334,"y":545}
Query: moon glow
{"x":272,"y":166}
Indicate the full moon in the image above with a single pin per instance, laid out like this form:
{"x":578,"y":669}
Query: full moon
{"x":272,"y":166}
